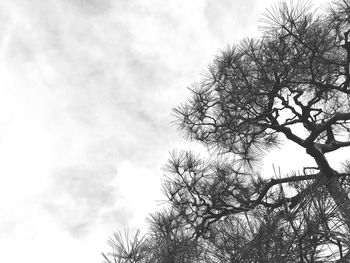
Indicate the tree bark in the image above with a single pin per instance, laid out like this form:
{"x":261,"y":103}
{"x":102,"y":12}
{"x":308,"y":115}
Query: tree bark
{"x":340,"y":198}
{"x":332,"y":184}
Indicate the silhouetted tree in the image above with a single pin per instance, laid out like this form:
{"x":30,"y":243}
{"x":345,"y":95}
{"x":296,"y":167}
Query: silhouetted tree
{"x":214,"y":200}
{"x":166,"y":241}
{"x":313,"y":234}
{"x":291,"y":84}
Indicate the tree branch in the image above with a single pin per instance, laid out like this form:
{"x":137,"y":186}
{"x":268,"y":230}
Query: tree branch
{"x":326,"y":125}
{"x":273,"y":182}
{"x":333,"y":145}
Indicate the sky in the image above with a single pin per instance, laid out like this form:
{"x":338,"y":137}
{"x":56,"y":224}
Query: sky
{"x":86,"y":92}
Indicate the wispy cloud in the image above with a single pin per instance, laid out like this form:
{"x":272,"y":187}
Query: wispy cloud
{"x":226,"y":22}
{"x":82,"y":196}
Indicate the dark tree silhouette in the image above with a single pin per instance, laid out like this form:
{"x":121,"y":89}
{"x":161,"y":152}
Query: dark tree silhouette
{"x":291,"y":84}
{"x":167,"y":241}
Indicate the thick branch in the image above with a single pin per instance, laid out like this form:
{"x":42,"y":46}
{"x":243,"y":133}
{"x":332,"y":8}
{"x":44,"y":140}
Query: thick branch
{"x":333,"y":145}
{"x":281,"y":181}
{"x":323,"y":127}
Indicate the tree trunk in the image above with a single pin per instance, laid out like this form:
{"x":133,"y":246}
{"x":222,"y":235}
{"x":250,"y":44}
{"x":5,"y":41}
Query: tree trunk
{"x":332,"y":184}
{"x":340,"y":198}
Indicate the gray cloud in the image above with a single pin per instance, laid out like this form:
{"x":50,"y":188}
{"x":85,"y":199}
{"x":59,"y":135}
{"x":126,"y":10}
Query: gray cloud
{"x":229,"y":20}
{"x":91,"y":7}
{"x":104,"y":94}
{"x":83,"y":196}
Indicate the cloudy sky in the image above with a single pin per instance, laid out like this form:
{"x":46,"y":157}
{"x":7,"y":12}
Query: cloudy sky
{"x":86,"y":92}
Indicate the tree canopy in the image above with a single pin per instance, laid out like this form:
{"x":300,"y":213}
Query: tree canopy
{"x":291,"y":84}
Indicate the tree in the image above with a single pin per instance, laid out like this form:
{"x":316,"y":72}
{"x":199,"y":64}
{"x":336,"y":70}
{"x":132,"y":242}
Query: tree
{"x":167,"y":241}
{"x":215,"y":201}
{"x":291,"y":84}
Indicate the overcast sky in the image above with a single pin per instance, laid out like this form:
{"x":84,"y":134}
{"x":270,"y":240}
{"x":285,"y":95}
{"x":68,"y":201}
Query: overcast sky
{"x":86,"y":92}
